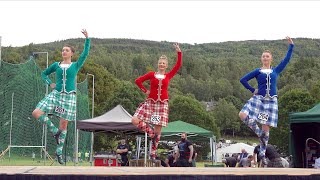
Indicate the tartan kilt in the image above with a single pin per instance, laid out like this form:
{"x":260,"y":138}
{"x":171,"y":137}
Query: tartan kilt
{"x":263,"y":110}
{"x":153,"y":112}
{"x":62,"y":105}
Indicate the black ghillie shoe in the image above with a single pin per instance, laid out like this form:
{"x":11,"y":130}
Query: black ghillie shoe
{"x":56,"y":136}
{"x":60,"y":159}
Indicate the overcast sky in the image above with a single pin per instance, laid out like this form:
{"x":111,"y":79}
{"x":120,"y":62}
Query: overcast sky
{"x":25,"y":22}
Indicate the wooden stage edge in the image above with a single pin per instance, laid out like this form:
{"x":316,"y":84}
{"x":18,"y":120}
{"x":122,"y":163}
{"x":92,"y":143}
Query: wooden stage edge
{"x":129,"y":171}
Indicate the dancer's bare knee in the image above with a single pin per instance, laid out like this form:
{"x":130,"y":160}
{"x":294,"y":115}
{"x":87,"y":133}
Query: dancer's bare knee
{"x":63,"y":124}
{"x":37,"y":113}
{"x":242,"y":115}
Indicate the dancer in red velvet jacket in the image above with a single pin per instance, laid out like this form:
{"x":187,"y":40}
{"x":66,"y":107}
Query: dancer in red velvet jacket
{"x":155,"y":109}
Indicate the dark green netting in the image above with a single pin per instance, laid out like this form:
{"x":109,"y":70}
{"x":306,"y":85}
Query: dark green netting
{"x":24,"y":81}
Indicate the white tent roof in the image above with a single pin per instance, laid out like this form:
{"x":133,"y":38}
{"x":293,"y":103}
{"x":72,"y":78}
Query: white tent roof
{"x":233,"y":148}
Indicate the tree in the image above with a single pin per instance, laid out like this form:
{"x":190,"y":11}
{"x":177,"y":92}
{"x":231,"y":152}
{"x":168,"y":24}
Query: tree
{"x":105,"y":85}
{"x":139,"y":64}
{"x":315,"y":91}
{"x":128,"y":95}
{"x":191,"y":111}
{"x":227,"y":117}
{"x":295,"y":100}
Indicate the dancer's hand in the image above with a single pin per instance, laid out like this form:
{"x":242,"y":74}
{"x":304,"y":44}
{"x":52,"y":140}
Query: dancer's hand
{"x":289,"y":40}
{"x":255,"y":92}
{"x":176,"y":45}
{"x":190,"y":160}
{"x":148,"y":92}
{"x":53,"y":85}
{"x":85,"y":33}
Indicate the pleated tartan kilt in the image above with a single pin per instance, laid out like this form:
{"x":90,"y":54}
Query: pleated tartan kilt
{"x":263,"y":110}
{"x":62,"y":105}
{"x":153,"y":112}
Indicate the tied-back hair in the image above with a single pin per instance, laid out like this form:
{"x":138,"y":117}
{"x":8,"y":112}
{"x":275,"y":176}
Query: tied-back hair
{"x":267,"y":51}
{"x":163,"y":57}
{"x":71,"y":48}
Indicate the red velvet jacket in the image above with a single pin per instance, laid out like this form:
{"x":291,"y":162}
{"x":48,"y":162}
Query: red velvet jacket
{"x":159,"y":88}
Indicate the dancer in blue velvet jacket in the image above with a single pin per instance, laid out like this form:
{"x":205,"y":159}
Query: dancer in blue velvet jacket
{"x":262,"y":107}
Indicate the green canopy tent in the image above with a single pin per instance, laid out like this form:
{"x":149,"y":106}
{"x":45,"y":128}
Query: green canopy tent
{"x":305,"y":130}
{"x":195,"y":133}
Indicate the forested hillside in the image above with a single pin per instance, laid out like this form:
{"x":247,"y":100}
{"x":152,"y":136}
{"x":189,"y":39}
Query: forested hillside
{"x":210,"y":73}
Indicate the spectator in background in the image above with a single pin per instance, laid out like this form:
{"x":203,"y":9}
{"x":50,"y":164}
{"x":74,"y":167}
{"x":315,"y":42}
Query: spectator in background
{"x":273,"y":156}
{"x":170,"y":160}
{"x":86,"y":155}
{"x":185,"y":152}
{"x":122,"y":150}
{"x":230,"y":161}
{"x":256,"y":157}
{"x":246,"y":162}
{"x":243,"y":154}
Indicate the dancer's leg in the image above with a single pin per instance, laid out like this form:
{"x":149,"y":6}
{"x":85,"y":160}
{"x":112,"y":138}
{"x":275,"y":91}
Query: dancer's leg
{"x":44,"y":119}
{"x":155,"y":141}
{"x":143,"y":126}
{"x":251,"y":123}
{"x":264,"y":139}
{"x":62,"y":137}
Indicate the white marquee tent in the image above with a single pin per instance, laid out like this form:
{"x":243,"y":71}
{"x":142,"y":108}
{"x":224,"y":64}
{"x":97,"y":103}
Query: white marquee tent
{"x":233,"y":148}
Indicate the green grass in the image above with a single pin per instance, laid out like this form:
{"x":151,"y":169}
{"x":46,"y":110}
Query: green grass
{"x":202,"y":164}
{"x":28,"y":161}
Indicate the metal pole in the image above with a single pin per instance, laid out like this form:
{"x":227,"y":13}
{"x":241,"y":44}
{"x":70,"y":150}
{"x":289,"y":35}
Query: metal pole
{"x":47,"y":87}
{"x":46,"y":128}
{"x":11,"y":125}
{"x":77,"y":144}
{"x":76,"y":137}
{"x":211,"y":150}
{"x":92,"y":116}
{"x":45,"y":144}
{"x":42,"y":143}
{"x":215,"y":149}
{"x":145,"y":149}
{"x":47,"y":92}
{"x":91,"y":149}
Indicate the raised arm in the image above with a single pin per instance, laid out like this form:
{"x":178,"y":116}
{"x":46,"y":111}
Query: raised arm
{"x":287,"y":58}
{"x":244,"y":80}
{"x":85,"y":51}
{"x":178,"y":64}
